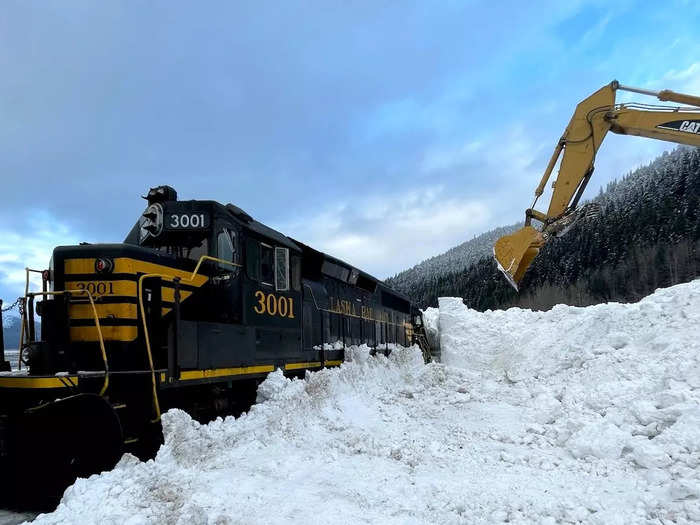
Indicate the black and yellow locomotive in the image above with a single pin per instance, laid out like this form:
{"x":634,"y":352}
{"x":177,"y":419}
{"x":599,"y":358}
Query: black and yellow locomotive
{"x":197,"y":305}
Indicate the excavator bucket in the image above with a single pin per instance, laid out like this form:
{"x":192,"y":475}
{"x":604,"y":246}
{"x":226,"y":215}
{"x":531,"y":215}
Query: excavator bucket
{"x":515,"y":252}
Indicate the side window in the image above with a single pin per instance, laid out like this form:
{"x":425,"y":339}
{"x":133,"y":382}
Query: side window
{"x":267,"y":275}
{"x":252,"y":259}
{"x":224,"y":249}
{"x":196,"y":252}
{"x":281,"y":269}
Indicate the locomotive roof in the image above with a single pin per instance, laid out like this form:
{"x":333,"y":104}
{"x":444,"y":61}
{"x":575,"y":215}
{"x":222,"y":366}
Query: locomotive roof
{"x":298,"y":246}
{"x":261,"y":229}
{"x":325,"y":257}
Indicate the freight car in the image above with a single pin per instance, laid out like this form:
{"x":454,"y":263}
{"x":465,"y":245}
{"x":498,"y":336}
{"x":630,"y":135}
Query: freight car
{"x":192,"y":310}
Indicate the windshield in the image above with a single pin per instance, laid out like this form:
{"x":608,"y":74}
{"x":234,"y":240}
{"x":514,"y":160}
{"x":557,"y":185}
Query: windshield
{"x":194,"y":252}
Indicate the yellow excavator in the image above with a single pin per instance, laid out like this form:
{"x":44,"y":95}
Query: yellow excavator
{"x":593,"y":118}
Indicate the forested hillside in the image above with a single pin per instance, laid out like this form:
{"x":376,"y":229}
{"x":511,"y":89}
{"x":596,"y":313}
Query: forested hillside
{"x":647,"y":235}
{"x":452,"y":261}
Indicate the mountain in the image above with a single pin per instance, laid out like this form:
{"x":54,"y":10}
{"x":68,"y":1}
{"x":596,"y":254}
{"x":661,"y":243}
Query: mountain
{"x":646,"y":236}
{"x":452,"y":261}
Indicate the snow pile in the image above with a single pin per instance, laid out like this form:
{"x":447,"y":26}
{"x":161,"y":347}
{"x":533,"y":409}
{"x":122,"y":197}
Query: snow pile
{"x":574,"y":415}
{"x":431,"y":318}
{"x":616,"y":386}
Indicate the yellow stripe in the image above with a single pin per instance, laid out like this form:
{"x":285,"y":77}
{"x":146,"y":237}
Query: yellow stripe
{"x":296,"y":366}
{"x":310,"y":364}
{"x":168,"y":294}
{"x":119,"y":310}
{"x":109,"y":333}
{"x":129,"y":265}
{"x":188,"y":375}
{"x":79,"y":266}
{"x":34,"y":382}
{"x":127,"y":288}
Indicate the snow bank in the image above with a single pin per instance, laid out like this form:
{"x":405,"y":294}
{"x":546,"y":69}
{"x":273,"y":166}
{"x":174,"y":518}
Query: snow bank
{"x":615,"y":386}
{"x":431,"y":318}
{"x":575,"y":415}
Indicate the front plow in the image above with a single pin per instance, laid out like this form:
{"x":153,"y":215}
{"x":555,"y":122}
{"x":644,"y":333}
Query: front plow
{"x":45,"y":448}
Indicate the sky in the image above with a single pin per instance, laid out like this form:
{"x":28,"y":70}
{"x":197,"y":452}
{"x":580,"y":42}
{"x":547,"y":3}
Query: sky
{"x":383,"y":132}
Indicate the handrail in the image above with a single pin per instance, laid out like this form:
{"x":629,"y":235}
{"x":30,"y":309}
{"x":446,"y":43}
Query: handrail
{"x":142,"y":310}
{"x":24,"y":314}
{"x":656,"y":107}
{"x":105,"y":384}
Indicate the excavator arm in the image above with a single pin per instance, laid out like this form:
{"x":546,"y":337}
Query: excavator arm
{"x":594,"y":117}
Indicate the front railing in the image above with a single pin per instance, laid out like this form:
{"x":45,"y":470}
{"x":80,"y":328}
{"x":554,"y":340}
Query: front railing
{"x":142,"y":311}
{"x":27,"y":334}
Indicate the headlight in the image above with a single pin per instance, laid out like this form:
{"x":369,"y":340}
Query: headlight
{"x":152,"y":221}
{"x":104,"y":265}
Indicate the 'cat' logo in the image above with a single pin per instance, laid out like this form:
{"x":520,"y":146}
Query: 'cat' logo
{"x":688,"y":126}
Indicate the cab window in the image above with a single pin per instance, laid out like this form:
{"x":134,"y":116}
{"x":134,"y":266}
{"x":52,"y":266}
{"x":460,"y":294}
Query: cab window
{"x":196,"y":252}
{"x":227,"y":249}
{"x":271,"y":265}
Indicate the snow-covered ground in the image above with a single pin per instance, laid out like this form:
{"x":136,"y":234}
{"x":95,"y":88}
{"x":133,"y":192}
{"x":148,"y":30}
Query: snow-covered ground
{"x":574,"y":415}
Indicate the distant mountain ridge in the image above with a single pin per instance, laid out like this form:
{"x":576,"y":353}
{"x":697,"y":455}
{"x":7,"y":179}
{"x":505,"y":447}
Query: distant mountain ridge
{"x":646,"y":236}
{"x":453,"y":260}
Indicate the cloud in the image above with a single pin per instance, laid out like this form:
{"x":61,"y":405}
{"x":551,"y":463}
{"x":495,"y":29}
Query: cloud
{"x":686,"y":80}
{"x":511,"y":151}
{"x":284,"y":108}
{"x":594,"y":34}
{"x":443,"y":158}
{"x":383,"y":235}
{"x":18,"y":251}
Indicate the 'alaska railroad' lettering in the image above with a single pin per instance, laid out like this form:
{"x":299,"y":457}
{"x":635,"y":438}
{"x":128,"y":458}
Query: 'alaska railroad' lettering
{"x":345,"y":307}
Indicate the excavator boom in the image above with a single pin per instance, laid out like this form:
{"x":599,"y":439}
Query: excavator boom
{"x":593,"y":118}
